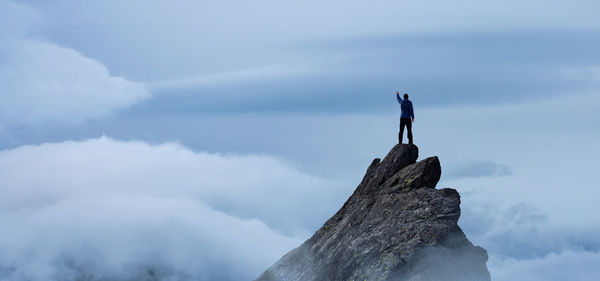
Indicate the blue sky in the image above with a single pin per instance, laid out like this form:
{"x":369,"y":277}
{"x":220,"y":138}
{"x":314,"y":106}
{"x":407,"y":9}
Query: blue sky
{"x":207,"y":139}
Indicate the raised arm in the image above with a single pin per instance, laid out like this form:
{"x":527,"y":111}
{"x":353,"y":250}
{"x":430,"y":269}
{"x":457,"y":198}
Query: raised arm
{"x":398,"y":98}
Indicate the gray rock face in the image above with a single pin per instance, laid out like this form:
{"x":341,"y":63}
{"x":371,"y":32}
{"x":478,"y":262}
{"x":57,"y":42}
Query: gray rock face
{"x":395,"y":226}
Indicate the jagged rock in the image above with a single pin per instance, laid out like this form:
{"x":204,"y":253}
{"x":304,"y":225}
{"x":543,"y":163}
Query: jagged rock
{"x":395,"y":226}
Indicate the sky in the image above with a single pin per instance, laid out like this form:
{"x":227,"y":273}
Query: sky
{"x":196,"y":140}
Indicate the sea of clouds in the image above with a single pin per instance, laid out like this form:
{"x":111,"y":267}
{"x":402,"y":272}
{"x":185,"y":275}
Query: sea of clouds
{"x":102,"y":208}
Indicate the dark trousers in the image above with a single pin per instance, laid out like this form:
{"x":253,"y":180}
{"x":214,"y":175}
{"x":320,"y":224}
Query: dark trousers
{"x":405,"y":122}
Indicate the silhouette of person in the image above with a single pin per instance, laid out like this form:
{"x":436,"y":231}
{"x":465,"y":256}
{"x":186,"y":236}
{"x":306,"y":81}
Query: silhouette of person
{"x":407,"y":117}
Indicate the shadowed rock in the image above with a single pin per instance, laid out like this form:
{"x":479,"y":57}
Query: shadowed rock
{"x":395,"y":226}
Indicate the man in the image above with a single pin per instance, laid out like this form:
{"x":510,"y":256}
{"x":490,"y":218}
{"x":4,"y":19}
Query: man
{"x":406,"y":118}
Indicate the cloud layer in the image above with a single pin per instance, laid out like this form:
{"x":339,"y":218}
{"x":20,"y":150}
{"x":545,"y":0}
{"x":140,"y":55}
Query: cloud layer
{"x":103,"y":208}
{"x":274,"y":59}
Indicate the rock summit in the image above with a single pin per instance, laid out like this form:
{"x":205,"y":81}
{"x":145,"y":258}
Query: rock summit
{"x":395,"y":226}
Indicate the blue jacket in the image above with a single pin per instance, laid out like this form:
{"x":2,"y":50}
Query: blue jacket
{"x":406,"y":107}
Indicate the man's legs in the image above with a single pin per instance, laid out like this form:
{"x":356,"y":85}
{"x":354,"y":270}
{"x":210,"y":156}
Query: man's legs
{"x":409,"y":128}
{"x":401,"y":133}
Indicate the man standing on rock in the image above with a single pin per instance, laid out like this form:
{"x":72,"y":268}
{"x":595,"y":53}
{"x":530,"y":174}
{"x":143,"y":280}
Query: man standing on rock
{"x":406,"y":118}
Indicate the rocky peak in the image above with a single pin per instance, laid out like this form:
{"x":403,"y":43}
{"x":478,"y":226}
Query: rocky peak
{"x":395,"y":226}
{"x":379,"y":171}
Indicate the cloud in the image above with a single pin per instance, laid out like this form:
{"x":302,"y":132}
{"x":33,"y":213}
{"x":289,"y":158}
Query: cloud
{"x":134,"y":237}
{"x":479,"y":168}
{"x":109,"y":209}
{"x":542,"y":146}
{"x":358,"y":74}
{"x":42,"y":82}
{"x":252,"y":74}
{"x":274,"y":60}
{"x":568,"y":265}
{"x":186,"y":40}
{"x":523,"y":242}
{"x":517,"y":235}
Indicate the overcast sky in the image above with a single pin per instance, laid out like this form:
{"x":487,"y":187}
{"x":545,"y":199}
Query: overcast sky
{"x":206,"y":139}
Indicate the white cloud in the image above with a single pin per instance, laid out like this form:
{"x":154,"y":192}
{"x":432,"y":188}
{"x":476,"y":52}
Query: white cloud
{"x":258,"y":73}
{"x":117,"y":209}
{"x":41,"y":81}
{"x":123,"y":237}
